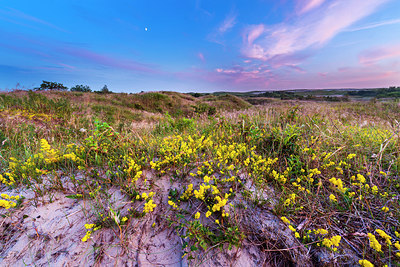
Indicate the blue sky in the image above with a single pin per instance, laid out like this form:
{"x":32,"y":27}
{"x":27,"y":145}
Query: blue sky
{"x":200,"y":45}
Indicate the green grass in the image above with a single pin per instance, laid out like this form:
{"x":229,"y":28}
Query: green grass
{"x":331,"y":166}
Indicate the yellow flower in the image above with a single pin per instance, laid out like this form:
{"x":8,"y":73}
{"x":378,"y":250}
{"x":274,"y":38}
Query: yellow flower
{"x":397,"y":234}
{"x":197,"y":215}
{"x":374,"y":190}
{"x":350,"y":156}
{"x":336,"y":240}
{"x":385,"y":209}
{"x":87,"y":236}
{"x":321,"y":231}
{"x":208,"y":214}
{"x":149,"y":206}
{"x":90,"y":226}
{"x":374,"y":243}
{"x":285,"y":220}
{"x":384,"y":236}
{"x":332,"y":198}
{"x":365,"y":263}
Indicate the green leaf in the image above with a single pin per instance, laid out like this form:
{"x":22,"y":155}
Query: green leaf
{"x":73,"y":197}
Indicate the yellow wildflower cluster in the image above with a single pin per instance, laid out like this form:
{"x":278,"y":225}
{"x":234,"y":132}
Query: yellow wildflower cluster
{"x":188,"y":192}
{"x":332,"y":198}
{"x":290,"y":226}
{"x":173,"y":204}
{"x":384,"y":236}
{"x":374,"y":243}
{"x":149,"y":206}
{"x":279,"y":177}
{"x":365,"y":263}
{"x":285,"y":220}
{"x":290,"y":200}
{"x":200,"y":194}
{"x":332,"y":243}
{"x":321,"y":231}
{"x":361,"y":178}
{"x":133,"y":170}
{"x":374,"y":190}
{"x":7,"y":201}
{"x":397,"y":245}
{"x":351,"y":156}
{"x":89,"y":232}
{"x":221,"y":202}
{"x":8,"y":180}
{"x":50,"y":155}
{"x":175,"y":149}
{"x":339,"y":184}
{"x":7,"y":204}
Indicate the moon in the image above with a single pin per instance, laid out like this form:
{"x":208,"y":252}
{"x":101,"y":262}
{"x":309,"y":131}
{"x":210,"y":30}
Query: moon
{"x":145,"y":29}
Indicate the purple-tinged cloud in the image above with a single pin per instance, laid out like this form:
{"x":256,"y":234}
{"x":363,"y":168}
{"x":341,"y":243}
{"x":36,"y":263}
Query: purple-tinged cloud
{"x":304,"y":6}
{"x":310,"y":31}
{"x":374,"y":25}
{"x":228,"y":23}
{"x":108,"y":61}
{"x":375,"y":55}
{"x":201,"y":57}
{"x":11,"y":13}
{"x":216,"y":35}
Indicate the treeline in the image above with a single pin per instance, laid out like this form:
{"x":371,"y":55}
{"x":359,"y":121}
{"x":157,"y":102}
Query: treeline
{"x":286,"y":95}
{"x":377,"y":93}
{"x":77,"y":88}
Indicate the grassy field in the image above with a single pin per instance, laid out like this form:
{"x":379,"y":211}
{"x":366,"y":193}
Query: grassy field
{"x":325,"y":174}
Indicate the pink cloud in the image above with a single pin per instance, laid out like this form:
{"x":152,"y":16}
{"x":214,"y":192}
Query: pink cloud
{"x":375,"y":55}
{"x":201,"y":57}
{"x":304,"y":6}
{"x":228,"y":23}
{"x":14,"y":13}
{"x":309,"y":31}
{"x":254,"y":32}
{"x":108,"y":61}
{"x":375,"y":25}
{"x":296,"y":68}
{"x":66,"y":66}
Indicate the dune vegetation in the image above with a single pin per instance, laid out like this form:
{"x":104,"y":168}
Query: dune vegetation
{"x":224,"y":182}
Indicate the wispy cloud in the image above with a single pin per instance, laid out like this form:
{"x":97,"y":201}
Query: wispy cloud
{"x":11,"y":14}
{"x":229,"y":22}
{"x":309,"y":31}
{"x":201,"y":57}
{"x":200,"y":8}
{"x":375,"y":55}
{"x":107,"y":61}
{"x":305,"y":6}
{"x":374,"y":25}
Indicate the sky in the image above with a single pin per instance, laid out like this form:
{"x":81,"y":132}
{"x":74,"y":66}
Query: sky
{"x":200,"y":45}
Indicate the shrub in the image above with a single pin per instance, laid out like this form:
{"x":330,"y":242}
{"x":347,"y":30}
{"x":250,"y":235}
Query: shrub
{"x":51,"y":86}
{"x":81,"y":88}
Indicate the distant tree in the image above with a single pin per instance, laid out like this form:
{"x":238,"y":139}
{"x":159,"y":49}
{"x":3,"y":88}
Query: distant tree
{"x":105,"y":90}
{"x":51,"y":86}
{"x":81,"y":88}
